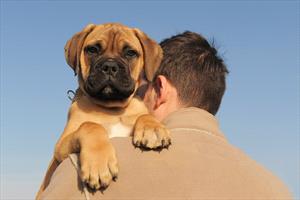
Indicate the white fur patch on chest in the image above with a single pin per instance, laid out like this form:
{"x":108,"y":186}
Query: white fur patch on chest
{"x":119,"y":130}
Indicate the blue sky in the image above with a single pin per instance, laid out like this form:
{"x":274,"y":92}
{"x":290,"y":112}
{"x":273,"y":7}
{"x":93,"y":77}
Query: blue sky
{"x":258,"y":40}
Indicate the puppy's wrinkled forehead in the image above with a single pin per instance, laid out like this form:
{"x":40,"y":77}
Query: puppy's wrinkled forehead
{"x":113,"y":38}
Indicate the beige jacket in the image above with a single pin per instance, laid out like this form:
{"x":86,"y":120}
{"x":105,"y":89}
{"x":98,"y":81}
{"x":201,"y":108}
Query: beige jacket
{"x":200,"y":164}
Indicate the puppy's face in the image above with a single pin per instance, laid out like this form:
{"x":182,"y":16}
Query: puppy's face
{"x":109,"y":60}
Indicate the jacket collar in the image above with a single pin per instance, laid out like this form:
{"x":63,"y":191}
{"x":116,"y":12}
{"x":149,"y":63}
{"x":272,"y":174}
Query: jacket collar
{"x":193,"y":118}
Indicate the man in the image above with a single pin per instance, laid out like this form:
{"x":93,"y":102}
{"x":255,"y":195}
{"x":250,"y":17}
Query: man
{"x":200,"y":164}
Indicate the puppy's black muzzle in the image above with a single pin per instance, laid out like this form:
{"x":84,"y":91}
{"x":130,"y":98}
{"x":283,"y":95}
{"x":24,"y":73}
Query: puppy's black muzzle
{"x":109,"y":80}
{"x":109,"y":68}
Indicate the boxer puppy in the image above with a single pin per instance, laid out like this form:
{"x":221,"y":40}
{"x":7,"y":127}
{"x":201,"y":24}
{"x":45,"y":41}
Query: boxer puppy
{"x":110,"y":60}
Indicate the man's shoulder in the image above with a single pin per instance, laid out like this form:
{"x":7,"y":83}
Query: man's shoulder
{"x":199,"y":163}
{"x":195,"y":166}
{"x":201,"y":157}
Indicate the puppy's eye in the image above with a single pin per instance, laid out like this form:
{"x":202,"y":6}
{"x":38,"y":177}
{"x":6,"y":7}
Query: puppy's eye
{"x":131,"y":53}
{"x":93,"y":49}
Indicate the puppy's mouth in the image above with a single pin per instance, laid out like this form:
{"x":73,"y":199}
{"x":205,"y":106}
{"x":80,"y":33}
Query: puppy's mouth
{"x":110,"y":90}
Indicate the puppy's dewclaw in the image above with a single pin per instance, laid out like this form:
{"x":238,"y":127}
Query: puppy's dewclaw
{"x":150,"y":133}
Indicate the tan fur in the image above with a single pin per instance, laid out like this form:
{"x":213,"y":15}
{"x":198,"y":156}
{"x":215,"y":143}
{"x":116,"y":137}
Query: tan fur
{"x":91,"y":122}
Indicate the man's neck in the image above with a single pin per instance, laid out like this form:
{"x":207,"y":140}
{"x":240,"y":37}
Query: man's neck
{"x":167,"y":108}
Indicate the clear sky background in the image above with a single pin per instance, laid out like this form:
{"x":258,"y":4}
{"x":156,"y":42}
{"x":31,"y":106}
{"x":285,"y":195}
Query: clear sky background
{"x":259,"y":41}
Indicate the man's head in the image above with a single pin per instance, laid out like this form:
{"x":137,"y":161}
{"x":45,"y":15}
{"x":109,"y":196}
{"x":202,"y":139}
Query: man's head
{"x":191,"y":75}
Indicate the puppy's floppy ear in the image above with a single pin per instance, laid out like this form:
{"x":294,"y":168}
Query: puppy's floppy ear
{"x":74,"y":45}
{"x":152,"y":54}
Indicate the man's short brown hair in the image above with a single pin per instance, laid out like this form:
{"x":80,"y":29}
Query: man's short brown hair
{"x":192,"y":65}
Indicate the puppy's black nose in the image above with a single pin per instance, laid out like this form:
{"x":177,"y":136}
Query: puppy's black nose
{"x":110,"y":68}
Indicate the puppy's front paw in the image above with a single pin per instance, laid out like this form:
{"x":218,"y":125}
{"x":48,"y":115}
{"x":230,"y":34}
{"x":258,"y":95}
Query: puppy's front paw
{"x":150,"y":133}
{"x":99,"y":166}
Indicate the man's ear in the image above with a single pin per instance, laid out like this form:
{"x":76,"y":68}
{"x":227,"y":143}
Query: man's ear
{"x":73,"y":47}
{"x":161,"y":87}
{"x":152,"y":54}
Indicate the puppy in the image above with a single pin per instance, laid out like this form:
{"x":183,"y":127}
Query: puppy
{"x":110,"y":60}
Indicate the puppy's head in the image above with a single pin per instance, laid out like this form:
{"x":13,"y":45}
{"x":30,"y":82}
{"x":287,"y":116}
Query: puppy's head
{"x":109,"y":60}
